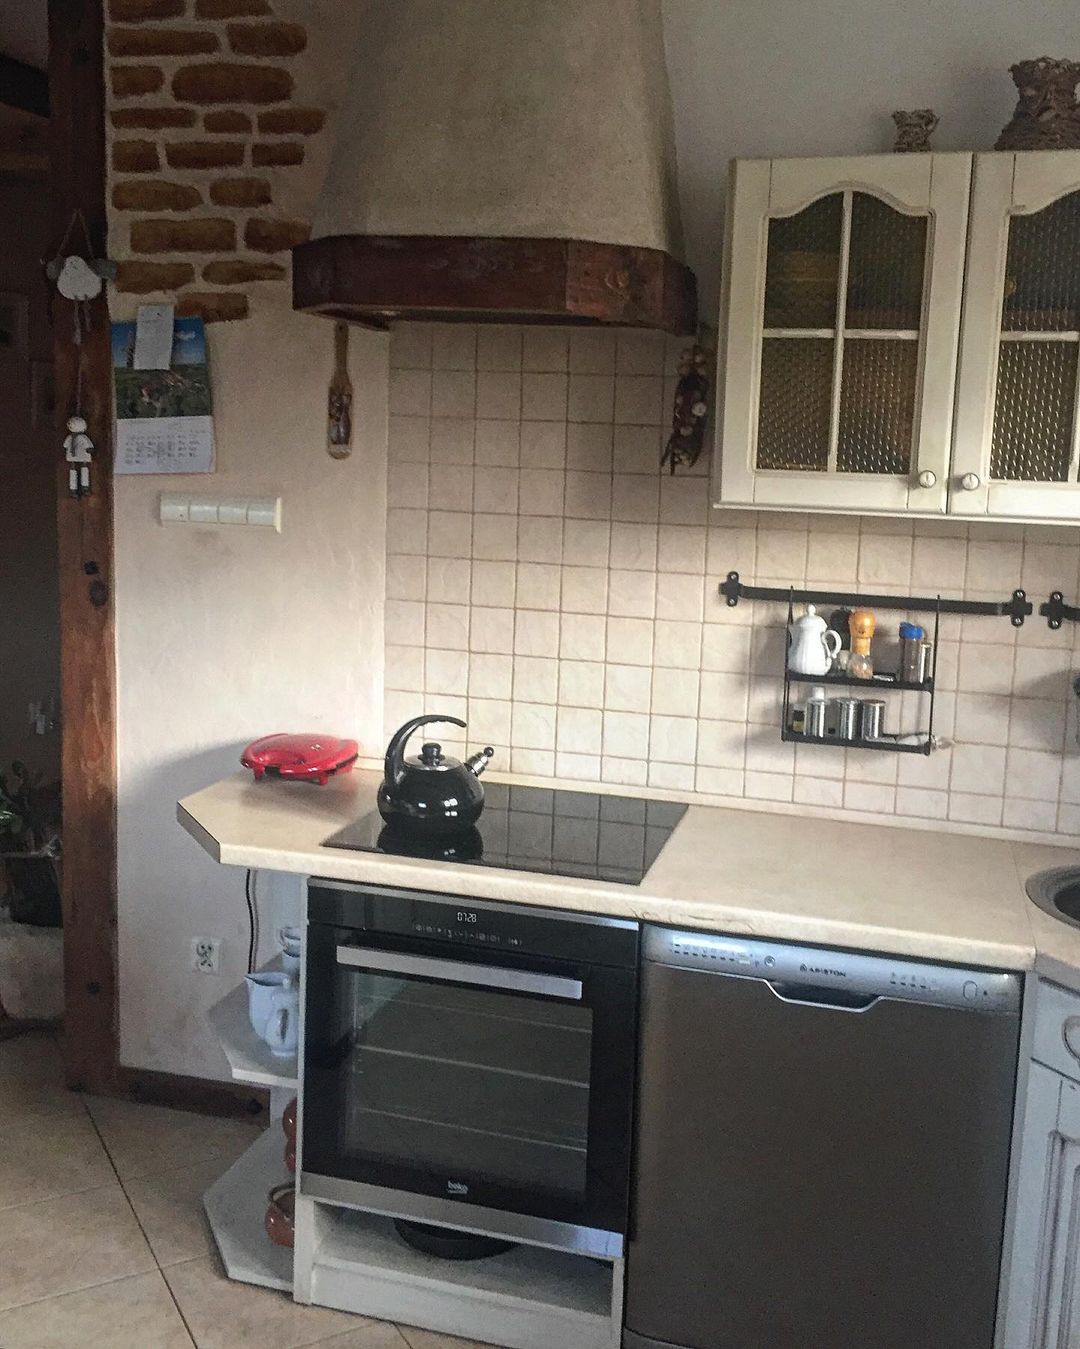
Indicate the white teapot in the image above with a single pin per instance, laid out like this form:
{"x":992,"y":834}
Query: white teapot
{"x":812,"y":646}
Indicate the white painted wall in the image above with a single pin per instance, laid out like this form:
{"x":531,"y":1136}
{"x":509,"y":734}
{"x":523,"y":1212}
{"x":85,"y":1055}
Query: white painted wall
{"x":225,"y":634}
{"x":810,"y":77}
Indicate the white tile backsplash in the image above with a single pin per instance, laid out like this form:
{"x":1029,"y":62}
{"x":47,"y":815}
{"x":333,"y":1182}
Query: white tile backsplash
{"x":546,"y":580}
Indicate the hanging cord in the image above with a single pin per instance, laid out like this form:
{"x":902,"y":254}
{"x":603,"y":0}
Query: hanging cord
{"x":253,"y":919}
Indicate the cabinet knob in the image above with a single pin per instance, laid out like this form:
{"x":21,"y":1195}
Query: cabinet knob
{"x":1070,"y":1034}
{"x":970,"y":481}
{"x":927,"y":478}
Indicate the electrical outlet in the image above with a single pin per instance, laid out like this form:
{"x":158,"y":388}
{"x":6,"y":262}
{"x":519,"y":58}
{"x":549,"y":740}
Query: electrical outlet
{"x":206,"y":955}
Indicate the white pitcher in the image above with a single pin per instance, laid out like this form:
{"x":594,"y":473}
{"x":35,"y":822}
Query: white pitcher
{"x":812,"y":645}
{"x":274,"y":1009}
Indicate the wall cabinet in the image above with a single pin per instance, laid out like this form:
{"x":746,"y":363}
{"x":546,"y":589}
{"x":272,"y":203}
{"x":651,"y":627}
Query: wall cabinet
{"x":900,"y":335}
{"x":1017,"y":444}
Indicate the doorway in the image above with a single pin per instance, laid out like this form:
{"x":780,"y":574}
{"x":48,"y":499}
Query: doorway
{"x":31,"y":969}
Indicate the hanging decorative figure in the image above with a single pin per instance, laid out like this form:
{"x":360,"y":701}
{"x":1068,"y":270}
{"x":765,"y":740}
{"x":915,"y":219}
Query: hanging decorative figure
{"x":79,"y":452}
{"x":691,"y":409}
{"x":340,"y":397}
{"x":79,"y":279}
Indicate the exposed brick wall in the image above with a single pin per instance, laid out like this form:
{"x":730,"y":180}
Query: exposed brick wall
{"x":201,"y":93}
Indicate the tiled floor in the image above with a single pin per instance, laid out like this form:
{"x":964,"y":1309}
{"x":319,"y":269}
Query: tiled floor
{"x":103,"y":1242}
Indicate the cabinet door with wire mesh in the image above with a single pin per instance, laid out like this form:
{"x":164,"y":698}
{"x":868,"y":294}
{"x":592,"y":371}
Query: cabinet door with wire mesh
{"x":840,"y":322}
{"x":1018,"y":430}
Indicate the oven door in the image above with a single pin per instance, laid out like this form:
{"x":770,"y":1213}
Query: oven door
{"x":492,"y":1092}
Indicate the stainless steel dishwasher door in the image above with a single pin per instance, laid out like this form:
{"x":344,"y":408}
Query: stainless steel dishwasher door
{"x":812,"y":1176}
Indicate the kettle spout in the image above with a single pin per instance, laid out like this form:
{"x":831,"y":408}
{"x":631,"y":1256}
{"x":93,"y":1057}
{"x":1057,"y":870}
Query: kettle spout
{"x":476,"y":763}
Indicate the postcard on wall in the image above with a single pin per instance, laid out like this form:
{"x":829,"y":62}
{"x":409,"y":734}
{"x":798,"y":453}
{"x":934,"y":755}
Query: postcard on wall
{"x":163,"y":417}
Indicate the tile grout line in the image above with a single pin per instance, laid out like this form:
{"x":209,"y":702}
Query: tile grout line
{"x":138,"y":1221}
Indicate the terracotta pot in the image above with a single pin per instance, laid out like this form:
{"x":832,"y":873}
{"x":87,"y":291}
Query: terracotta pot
{"x":288,"y":1128}
{"x":280,"y":1215}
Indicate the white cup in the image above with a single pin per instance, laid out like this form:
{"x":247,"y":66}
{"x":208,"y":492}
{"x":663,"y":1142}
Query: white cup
{"x":274,"y":1010}
{"x":289,"y":940}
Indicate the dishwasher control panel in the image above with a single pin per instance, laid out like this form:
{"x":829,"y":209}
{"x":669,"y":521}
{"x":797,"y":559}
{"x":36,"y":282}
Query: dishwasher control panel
{"x":786,"y":966}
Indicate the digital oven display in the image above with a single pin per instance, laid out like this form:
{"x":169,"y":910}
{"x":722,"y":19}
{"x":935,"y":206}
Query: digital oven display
{"x":479,"y":928}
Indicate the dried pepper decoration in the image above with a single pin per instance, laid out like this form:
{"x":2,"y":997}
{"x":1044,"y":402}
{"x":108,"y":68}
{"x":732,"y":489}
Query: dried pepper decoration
{"x":691,"y":409}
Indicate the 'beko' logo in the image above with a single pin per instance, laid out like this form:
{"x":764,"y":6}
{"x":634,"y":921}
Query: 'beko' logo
{"x":456,"y":1187}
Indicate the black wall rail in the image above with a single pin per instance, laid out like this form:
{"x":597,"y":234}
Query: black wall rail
{"x":1017,"y":607}
{"x":1056,"y":611}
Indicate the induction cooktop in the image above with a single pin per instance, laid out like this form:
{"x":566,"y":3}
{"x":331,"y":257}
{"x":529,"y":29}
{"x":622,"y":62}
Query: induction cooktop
{"x":561,"y":833}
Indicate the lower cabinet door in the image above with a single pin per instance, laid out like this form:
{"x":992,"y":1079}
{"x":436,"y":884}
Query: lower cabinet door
{"x":1062,"y":1321}
{"x":1029,"y":1252}
{"x":1043,"y":1285}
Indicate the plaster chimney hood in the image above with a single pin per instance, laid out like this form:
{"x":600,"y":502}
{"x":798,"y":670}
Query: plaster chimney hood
{"x":504,"y":161}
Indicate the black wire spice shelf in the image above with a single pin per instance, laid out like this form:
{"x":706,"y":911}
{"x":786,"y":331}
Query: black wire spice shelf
{"x":886,"y":682}
{"x":893,"y":742}
{"x":1017,"y":607}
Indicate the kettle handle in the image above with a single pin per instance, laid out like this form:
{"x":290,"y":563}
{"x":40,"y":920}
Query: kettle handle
{"x":395,"y":751}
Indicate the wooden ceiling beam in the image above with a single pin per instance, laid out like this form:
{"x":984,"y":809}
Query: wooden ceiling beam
{"x":24,"y":87}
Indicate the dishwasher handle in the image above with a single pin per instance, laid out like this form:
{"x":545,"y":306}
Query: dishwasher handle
{"x":829,"y":999}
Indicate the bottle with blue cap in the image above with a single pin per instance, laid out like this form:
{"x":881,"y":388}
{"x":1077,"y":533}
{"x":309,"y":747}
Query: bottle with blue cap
{"x":914,"y":654}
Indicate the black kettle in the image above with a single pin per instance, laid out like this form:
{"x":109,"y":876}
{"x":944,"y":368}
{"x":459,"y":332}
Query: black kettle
{"x":431,"y":795}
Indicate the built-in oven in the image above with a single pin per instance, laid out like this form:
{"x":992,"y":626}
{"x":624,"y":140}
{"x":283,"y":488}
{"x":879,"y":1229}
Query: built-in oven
{"x":470,"y":1065}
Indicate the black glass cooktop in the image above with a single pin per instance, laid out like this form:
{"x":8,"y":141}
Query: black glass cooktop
{"x":606,"y":838}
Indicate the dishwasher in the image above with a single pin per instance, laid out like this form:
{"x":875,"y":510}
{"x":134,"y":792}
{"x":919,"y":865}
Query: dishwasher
{"x":822,"y":1148}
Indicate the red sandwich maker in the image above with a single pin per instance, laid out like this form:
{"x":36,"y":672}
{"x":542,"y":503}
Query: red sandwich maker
{"x":313,"y":758}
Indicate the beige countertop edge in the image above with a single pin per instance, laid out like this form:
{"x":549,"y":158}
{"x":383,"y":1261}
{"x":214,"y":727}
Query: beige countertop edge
{"x":838,"y":883}
{"x":493,"y":884}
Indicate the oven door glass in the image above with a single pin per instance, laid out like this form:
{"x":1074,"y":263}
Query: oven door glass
{"x":472,"y":1077}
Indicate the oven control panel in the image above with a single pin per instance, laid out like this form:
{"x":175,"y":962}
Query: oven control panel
{"x":478,"y":925}
{"x":466,"y":927}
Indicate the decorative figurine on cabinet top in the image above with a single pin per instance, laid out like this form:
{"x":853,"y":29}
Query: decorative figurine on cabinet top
{"x":1046,"y":116}
{"x":914,"y":129}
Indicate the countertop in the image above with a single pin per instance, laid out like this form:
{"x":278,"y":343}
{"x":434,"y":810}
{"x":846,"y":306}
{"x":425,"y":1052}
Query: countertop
{"x":954,"y":898}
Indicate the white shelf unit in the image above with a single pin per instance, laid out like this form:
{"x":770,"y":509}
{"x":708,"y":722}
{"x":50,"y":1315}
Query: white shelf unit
{"x":526,"y":1298}
{"x":236,"y":1203}
{"x":236,"y":1208}
{"x":250,"y":1058}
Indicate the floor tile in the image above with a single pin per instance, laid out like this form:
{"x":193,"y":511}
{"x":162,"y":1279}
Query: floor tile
{"x":32,"y":1080}
{"x":132,"y":1313}
{"x":226,"y":1315}
{"x":170,"y":1209}
{"x":369,"y":1335}
{"x":429,"y":1339}
{"x":65,"y":1244}
{"x":51,"y":1155}
{"x":144,"y":1140}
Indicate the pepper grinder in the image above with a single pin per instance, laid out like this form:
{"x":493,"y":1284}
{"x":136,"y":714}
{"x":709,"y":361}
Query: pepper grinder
{"x":862,"y":624}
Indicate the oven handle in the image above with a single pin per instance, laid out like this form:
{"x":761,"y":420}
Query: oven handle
{"x":460,"y":972}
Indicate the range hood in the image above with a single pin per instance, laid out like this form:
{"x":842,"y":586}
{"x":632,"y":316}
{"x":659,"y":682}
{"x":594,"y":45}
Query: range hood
{"x":506,"y":161}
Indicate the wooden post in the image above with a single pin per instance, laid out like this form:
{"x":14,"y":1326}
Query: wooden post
{"x":88,"y":674}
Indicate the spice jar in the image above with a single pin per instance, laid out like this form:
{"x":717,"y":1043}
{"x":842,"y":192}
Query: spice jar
{"x":862,"y":624}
